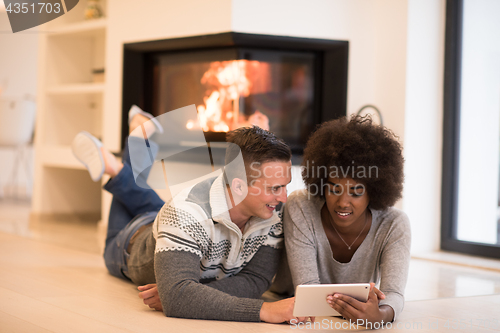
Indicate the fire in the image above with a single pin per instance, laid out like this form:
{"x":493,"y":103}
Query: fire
{"x":226,"y":82}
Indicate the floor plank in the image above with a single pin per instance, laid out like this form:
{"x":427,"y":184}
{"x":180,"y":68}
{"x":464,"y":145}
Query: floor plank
{"x":12,"y":324}
{"x":48,"y":317}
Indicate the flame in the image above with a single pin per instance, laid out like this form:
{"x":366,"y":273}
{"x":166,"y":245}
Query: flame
{"x":226,"y":82}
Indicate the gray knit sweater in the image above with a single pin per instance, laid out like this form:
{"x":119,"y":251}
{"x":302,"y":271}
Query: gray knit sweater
{"x":383,"y":257}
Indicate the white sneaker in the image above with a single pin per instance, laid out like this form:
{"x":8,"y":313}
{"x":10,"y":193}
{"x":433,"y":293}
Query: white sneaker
{"x":87,"y":149}
{"x":137,"y":110}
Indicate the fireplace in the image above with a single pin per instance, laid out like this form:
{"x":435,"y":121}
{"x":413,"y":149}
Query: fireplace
{"x":285,"y":84}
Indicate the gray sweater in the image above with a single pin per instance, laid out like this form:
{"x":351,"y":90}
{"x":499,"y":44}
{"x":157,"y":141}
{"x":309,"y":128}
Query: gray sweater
{"x":185,"y":295}
{"x":205,"y":267}
{"x":383,"y":257}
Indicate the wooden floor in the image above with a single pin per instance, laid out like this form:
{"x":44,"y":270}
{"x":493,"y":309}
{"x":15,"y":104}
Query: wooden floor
{"x":49,"y":288}
{"x":53,"y":279}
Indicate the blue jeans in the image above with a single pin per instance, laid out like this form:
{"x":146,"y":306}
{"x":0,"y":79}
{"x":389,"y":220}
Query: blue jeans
{"x":131,"y":208}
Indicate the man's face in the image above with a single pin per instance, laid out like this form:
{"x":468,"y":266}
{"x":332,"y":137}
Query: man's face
{"x":267,"y":189}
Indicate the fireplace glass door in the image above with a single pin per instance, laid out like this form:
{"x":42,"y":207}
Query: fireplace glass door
{"x":235,"y":87}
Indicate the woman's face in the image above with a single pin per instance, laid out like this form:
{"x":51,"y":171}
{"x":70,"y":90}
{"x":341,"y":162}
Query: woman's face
{"x":346,"y":201}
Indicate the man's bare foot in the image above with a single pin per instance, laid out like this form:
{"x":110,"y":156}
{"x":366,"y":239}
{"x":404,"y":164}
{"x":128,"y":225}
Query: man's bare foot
{"x":139,"y":120}
{"x":112,"y":166}
{"x":142,"y":124}
{"x":96,"y":159}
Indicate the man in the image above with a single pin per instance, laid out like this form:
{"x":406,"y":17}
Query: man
{"x":212,"y":250}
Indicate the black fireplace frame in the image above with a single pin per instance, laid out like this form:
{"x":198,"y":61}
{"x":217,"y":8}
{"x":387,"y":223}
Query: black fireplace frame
{"x":330,"y":73}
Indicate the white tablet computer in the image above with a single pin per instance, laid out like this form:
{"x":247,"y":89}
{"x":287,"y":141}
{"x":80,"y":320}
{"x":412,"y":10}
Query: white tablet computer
{"x":310,"y":300}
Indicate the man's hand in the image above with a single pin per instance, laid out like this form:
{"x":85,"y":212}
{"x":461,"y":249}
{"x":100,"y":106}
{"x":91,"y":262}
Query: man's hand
{"x":280,"y":311}
{"x":150,"y":297}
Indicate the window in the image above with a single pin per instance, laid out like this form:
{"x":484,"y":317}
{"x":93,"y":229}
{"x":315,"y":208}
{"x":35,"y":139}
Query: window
{"x":471,"y":142}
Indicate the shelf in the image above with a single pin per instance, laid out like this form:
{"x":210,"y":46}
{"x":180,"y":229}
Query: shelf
{"x":83,"y":28}
{"x":76,"y":88}
{"x":70,"y":102}
{"x":60,"y":157}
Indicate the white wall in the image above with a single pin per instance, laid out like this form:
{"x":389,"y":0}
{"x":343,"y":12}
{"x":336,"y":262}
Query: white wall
{"x":391,"y":35}
{"x":423,"y":123}
{"x":18,"y":59}
{"x":18,"y":69}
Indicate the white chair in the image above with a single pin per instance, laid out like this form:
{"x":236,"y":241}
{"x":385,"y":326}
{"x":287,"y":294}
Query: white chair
{"x":17,"y":121}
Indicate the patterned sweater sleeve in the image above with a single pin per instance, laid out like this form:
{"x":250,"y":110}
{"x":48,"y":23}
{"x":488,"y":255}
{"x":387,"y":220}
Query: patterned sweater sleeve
{"x":183,"y":296}
{"x":177,"y":270}
{"x":253,"y":280}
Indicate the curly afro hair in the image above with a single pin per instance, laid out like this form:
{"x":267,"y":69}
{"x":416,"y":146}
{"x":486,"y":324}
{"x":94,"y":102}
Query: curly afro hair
{"x":357,"y":149}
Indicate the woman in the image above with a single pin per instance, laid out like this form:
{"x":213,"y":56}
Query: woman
{"x":342,"y":228}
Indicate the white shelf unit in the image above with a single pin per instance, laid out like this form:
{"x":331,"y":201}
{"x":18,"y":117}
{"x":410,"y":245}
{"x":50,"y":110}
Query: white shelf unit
{"x":81,"y":28}
{"x":76,"y":88}
{"x":68,"y":102}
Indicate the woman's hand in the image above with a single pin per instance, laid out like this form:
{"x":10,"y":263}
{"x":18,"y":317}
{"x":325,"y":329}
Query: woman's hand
{"x":380,"y":295}
{"x":280,"y":311}
{"x":369,"y":311}
{"x":150,"y":296}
